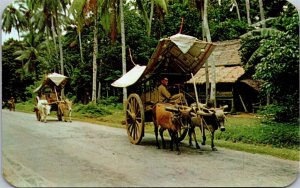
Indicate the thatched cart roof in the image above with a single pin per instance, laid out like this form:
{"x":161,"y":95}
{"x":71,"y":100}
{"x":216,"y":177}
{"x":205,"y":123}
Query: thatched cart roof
{"x":177,"y":56}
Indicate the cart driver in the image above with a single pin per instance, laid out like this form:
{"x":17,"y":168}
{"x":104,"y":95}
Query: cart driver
{"x":165,"y":96}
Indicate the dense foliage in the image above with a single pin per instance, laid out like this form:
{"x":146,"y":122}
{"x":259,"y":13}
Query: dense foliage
{"x":275,"y":135}
{"x":273,"y":57}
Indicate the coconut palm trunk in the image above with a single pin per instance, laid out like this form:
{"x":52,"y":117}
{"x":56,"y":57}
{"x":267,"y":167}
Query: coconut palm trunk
{"x":150,"y":18}
{"x":95,"y":52}
{"x":54,"y":36}
{"x":123,"y":49}
{"x":80,"y":46}
{"x":208,"y":38}
{"x":113,"y":21}
{"x":262,"y":14}
{"x":237,"y":10}
{"x":248,"y":11}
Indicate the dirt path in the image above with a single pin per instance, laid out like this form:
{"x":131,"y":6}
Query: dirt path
{"x":84,"y":154}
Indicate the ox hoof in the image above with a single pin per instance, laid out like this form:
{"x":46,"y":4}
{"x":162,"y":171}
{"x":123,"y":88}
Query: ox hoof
{"x":197,"y":146}
{"x":214,"y":149}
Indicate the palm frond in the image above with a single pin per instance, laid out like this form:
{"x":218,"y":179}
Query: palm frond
{"x":162,"y":4}
{"x":264,"y":32}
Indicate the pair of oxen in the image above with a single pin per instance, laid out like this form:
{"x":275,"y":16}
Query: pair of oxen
{"x":43,"y":109}
{"x":174,"y":118}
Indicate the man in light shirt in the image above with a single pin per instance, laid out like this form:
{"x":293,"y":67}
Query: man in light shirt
{"x":165,"y":96}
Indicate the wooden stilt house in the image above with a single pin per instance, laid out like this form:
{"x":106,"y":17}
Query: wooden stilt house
{"x":233,"y":86}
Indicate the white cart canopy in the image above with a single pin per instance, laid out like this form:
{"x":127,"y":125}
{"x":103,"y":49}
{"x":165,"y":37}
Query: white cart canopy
{"x":130,"y":77}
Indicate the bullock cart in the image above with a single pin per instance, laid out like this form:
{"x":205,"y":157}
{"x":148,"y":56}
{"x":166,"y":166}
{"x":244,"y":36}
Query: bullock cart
{"x":177,"y":57}
{"x":50,"y":90}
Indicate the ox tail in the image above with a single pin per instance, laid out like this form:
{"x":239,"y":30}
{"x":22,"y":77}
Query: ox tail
{"x":154,"y":113}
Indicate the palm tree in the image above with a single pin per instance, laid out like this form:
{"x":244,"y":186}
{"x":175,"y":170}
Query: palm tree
{"x":113,"y":21}
{"x":109,"y":17}
{"x":262,"y":14}
{"x":31,"y":55}
{"x":248,"y":11}
{"x":213,"y":68}
{"x":95,"y":52}
{"x":148,"y":20}
{"x":82,"y":8}
{"x":13,"y":18}
{"x":91,"y":6}
{"x":52,"y":10}
{"x":234,"y":4}
{"x":123,"y":48}
{"x":76,"y":10}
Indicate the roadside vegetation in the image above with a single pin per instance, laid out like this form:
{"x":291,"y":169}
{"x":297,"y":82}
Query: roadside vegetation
{"x":252,"y":133}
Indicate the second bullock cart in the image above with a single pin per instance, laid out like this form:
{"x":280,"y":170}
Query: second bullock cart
{"x":50,"y":89}
{"x":177,"y":57}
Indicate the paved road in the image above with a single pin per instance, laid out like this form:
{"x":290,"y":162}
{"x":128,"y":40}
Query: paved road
{"x":85,"y":154}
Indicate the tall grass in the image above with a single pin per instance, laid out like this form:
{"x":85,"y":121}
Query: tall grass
{"x":257,"y":131}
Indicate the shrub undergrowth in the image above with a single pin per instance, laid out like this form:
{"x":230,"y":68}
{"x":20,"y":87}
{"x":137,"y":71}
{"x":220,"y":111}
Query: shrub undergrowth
{"x":280,"y":135}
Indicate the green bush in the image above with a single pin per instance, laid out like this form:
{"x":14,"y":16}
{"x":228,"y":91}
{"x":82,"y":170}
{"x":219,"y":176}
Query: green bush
{"x":279,"y":113}
{"x":103,"y":107}
{"x":26,"y":106}
{"x":91,"y":110}
{"x":228,"y":30}
{"x":273,"y":134}
{"x":109,"y":101}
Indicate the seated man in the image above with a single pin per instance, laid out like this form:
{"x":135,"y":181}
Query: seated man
{"x":165,"y":96}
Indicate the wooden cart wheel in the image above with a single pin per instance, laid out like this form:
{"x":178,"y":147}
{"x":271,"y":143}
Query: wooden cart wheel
{"x":135,"y":118}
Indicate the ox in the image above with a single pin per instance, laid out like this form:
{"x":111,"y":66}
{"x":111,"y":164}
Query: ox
{"x":65,"y":108}
{"x":206,"y":119}
{"x":167,"y":117}
{"x":43,"y":109}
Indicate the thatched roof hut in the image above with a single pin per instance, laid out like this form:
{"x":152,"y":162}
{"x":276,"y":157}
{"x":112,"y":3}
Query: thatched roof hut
{"x":223,"y":75}
{"x":227,"y":61}
{"x":233,"y":86}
